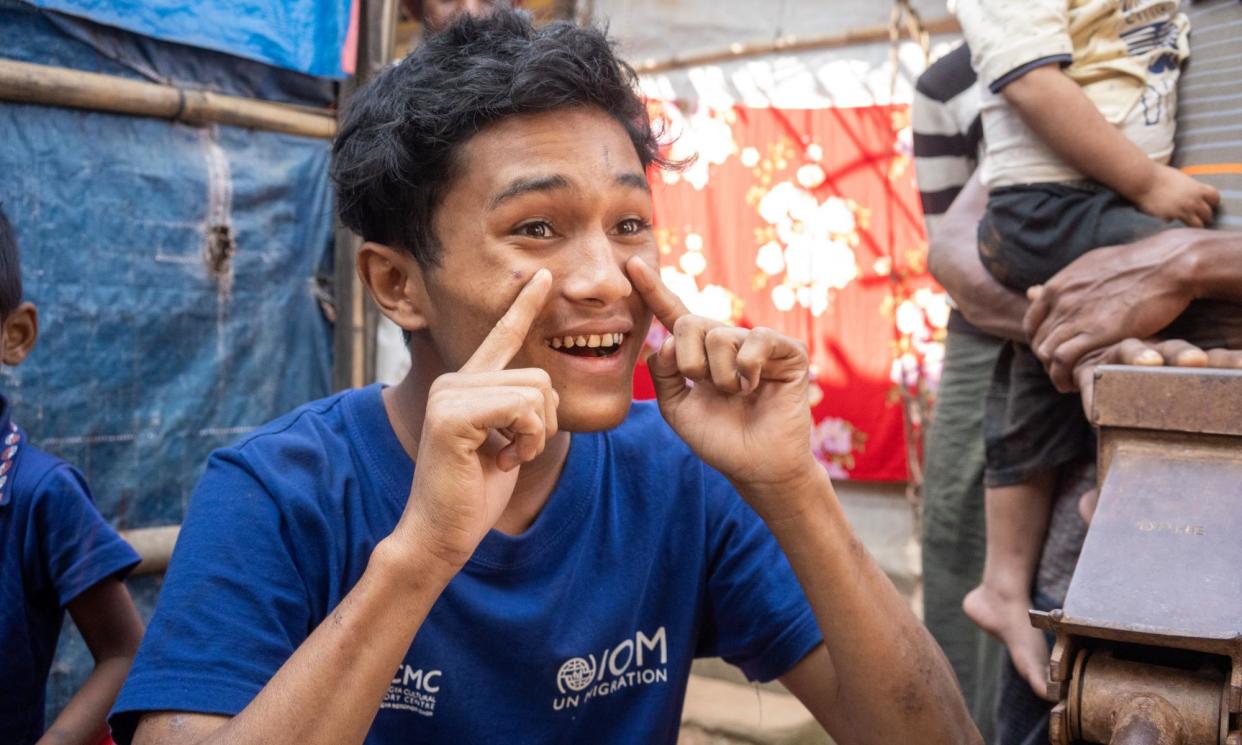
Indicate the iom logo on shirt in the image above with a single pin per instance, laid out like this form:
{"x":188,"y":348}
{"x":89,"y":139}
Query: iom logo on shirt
{"x":642,"y":660}
{"x":413,"y":690}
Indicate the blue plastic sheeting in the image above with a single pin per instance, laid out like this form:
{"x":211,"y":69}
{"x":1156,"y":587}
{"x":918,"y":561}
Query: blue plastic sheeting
{"x":152,"y":352}
{"x":178,"y":273}
{"x":32,"y":35}
{"x":301,"y":35}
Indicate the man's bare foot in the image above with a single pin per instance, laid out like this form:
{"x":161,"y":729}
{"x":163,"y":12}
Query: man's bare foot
{"x":1007,"y":620}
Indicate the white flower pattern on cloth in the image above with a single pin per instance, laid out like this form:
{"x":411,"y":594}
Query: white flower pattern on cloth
{"x":812,"y":247}
{"x":921,"y":320}
{"x":833,"y":442}
{"x":706,"y":136}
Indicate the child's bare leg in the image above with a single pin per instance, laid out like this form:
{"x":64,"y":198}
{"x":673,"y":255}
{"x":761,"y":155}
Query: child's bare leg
{"x":1017,"y":520}
{"x":1086,"y":504}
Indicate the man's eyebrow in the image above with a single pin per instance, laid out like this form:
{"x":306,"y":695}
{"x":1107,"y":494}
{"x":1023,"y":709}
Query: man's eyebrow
{"x":522,"y":186}
{"x":633,"y":180}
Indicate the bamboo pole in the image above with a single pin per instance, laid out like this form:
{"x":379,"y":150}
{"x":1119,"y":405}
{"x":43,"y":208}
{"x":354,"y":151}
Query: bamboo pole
{"x":787,"y":45}
{"x":57,"y":86}
{"x":154,"y":545}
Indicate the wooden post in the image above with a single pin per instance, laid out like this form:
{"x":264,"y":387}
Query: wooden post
{"x":357,"y":318}
{"x":23,"y":82}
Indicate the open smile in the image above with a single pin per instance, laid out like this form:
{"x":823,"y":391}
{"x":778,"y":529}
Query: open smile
{"x":587,"y":345}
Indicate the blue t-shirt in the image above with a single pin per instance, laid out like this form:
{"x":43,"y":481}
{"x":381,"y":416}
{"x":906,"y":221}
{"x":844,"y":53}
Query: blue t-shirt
{"x":53,"y":546}
{"x":582,"y":628}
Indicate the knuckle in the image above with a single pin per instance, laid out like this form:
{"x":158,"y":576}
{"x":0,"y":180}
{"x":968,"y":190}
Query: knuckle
{"x":696,"y":369}
{"x":442,"y":383}
{"x":687,"y":324}
{"x":720,"y":336}
{"x":437,"y":401}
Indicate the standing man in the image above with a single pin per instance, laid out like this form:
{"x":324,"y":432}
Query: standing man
{"x":502,"y":548}
{"x":948,"y":136}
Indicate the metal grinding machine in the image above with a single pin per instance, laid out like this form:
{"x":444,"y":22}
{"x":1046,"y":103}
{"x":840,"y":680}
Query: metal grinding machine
{"x":1149,"y":643}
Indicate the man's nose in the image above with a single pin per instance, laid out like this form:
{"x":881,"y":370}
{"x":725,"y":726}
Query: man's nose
{"x":594,"y":272}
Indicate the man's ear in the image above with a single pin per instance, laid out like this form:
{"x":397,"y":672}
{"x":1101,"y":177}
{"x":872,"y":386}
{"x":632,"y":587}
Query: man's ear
{"x":396,"y":283}
{"x":21,"y":329}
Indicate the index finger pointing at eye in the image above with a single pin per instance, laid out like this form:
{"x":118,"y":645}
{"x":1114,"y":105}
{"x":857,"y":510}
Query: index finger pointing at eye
{"x":662,"y":301}
{"x":509,"y":333}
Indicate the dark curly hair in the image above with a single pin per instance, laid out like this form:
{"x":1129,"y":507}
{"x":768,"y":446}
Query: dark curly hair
{"x":10,"y":268}
{"x":395,"y":155}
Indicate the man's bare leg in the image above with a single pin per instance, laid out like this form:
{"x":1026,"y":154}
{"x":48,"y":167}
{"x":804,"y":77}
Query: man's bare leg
{"x":1017,"y":520}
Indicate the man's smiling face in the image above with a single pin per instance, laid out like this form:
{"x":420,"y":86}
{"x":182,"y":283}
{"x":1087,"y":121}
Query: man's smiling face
{"x":563,"y":190}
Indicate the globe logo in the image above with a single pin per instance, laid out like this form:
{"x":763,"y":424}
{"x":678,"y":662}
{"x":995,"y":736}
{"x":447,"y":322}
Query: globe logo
{"x":575,"y":674}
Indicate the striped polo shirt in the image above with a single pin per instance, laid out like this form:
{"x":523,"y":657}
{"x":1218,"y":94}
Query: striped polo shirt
{"x":1209,"y":117}
{"x":948,"y":133}
{"x":948,"y":140}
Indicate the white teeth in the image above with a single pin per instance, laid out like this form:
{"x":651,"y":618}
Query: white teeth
{"x":556,"y":343}
{"x":593,"y":340}
{"x":569,"y":341}
{"x":580,"y":341}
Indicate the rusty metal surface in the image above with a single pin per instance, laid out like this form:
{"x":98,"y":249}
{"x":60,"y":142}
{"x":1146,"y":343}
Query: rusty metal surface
{"x":1160,"y":570}
{"x":1058,"y":725}
{"x":1169,"y":399}
{"x":1148,"y":721}
{"x":1119,"y":696}
{"x":1163,"y":552}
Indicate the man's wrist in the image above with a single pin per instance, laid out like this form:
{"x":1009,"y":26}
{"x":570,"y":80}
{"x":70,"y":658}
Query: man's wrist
{"x":788,"y":500}
{"x":410,"y":569}
{"x":1197,"y":265}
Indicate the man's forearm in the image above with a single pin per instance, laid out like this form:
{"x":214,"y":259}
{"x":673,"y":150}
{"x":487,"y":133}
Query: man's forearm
{"x":328,"y":692}
{"x":894,"y":684}
{"x":953,"y":258}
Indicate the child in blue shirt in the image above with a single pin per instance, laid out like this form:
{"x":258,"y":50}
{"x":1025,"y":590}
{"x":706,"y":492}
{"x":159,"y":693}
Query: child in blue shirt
{"x":56,"y":553}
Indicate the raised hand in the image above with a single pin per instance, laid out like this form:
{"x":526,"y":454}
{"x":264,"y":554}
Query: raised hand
{"x":481,"y":423}
{"x":745,"y":409}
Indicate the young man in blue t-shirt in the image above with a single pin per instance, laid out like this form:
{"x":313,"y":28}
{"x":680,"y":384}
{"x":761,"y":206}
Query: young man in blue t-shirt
{"x":56,"y":554}
{"x":442,"y":560}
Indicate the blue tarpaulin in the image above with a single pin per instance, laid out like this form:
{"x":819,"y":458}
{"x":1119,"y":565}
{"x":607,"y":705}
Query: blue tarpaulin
{"x":301,"y":35}
{"x":179,"y":273}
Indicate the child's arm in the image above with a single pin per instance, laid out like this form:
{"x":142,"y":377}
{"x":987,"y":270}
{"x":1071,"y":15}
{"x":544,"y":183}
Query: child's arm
{"x":109,"y":623}
{"x":1058,"y":111}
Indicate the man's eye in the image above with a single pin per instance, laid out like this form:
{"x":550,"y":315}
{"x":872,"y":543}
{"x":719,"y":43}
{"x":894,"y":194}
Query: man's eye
{"x":632,"y":225}
{"x":535,"y":230}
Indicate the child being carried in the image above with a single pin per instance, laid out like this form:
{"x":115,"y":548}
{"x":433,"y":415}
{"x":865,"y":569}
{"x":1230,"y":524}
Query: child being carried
{"x":1078,"y":118}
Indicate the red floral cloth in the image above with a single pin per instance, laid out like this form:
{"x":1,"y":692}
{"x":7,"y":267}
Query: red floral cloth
{"x":808,"y":221}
